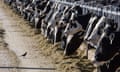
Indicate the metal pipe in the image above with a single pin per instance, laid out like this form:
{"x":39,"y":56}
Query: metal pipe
{"x":90,"y":8}
{"x":110,"y":13}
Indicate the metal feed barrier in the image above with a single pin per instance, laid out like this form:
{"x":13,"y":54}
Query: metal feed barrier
{"x":109,"y":11}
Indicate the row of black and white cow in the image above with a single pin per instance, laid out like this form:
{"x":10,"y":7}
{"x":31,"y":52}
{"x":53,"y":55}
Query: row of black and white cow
{"x":69,"y":26}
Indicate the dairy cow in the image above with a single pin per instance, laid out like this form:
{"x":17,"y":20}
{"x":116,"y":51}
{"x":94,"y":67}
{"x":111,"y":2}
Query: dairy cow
{"x":107,"y":52}
{"x":74,"y":31}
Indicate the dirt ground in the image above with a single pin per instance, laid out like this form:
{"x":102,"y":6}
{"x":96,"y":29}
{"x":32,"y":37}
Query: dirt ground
{"x":22,"y":50}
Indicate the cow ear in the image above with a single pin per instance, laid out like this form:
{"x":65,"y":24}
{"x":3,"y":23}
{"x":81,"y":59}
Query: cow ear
{"x":112,"y":36}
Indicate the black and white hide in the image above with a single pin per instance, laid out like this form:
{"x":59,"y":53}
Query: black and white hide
{"x":75,"y":32}
{"x":37,"y":14}
{"x":65,"y":19}
{"x":94,"y":31}
{"x":51,"y":27}
{"x":46,"y":20}
{"x":60,"y":25}
{"x":107,"y":53}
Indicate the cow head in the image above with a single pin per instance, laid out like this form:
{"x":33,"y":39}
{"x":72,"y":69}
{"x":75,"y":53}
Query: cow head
{"x":108,"y":45}
{"x":95,"y":31}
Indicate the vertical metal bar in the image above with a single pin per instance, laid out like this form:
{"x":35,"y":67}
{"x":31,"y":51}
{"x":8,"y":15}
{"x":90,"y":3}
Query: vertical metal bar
{"x":111,"y":13}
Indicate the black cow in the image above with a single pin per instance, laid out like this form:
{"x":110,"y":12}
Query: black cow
{"x":43,"y":14}
{"x":29,"y":9}
{"x":63,"y":23}
{"x":36,"y":10}
{"x":106,"y":42}
{"x":37,"y":13}
{"x":66,"y":19}
{"x":54,"y":17}
{"x":108,"y":48}
{"x":60,"y":26}
{"x":75,"y":33}
{"x":94,"y":31}
{"x":57,"y":28}
{"x":46,"y":20}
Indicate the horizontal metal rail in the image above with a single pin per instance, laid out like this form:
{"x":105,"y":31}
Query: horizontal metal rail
{"x":33,"y":68}
{"x":101,"y":10}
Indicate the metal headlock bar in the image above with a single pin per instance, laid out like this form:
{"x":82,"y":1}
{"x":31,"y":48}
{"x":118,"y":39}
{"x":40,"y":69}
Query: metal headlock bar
{"x":106,"y":12}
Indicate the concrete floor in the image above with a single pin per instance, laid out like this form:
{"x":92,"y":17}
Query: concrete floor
{"x":11,"y":59}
